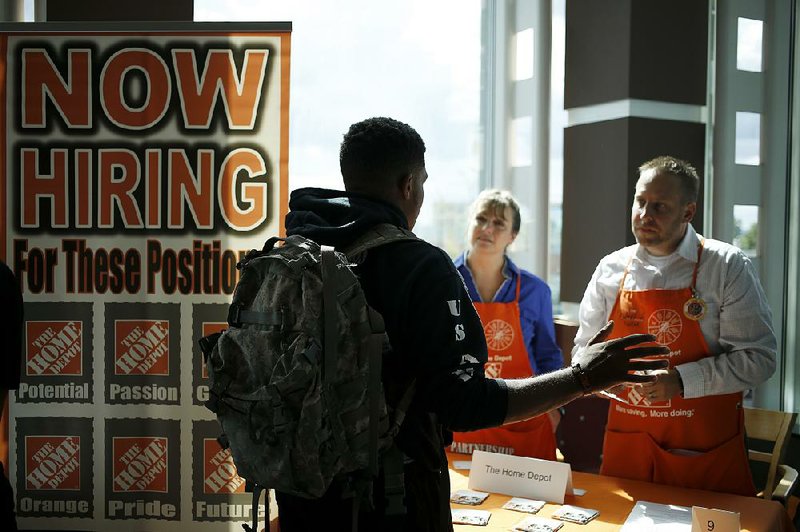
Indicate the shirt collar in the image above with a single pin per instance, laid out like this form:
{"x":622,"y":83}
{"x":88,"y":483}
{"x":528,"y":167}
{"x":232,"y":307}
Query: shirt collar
{"x":509,"y":268}
{"x":686,"y":249}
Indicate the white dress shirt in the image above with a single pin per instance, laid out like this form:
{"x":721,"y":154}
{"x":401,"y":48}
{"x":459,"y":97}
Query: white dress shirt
{"x":737,"y":325}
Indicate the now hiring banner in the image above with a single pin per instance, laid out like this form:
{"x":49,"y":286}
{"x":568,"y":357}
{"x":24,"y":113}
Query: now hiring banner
{"x":138,"y":165}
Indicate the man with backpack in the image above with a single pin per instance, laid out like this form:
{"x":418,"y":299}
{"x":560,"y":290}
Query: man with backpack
{"x":437,"y":345}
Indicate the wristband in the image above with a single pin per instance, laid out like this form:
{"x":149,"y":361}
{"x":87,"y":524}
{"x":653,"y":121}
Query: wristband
{"x":582,"y":378}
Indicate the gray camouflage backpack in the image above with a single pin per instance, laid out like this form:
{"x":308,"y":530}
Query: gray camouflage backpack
{"x":295,"y":381}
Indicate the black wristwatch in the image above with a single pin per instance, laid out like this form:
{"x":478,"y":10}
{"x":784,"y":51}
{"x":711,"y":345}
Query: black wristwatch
{"x":582,"y":378}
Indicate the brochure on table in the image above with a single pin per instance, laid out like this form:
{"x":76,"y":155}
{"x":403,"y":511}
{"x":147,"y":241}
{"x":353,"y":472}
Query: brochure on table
{"x":649,"y":516}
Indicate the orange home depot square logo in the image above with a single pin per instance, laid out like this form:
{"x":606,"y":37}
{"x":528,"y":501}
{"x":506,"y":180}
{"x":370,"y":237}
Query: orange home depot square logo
{"x":210,"y":327}
{"x":219,"y":471}
{"x":141,"y":347}
{"x":53,"y":348}
{"x":637,"y":399}
{"x":139,"y":464}
{"x":493,"y":369}
{"x":52,"y":463}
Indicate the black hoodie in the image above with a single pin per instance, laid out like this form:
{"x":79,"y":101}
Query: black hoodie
{"x":435,"y":332}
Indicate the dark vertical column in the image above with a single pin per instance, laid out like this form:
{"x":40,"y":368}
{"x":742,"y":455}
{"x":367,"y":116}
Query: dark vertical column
{"x":12,"y":11}
{"x":633,"y":69}
{"x":103,"y":10}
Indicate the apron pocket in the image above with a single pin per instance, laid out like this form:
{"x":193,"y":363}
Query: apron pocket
{"x":627,"y":455}
{"x":724,"y":468}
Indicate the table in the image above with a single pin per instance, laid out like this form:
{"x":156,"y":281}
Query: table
{"x":615,"y":497}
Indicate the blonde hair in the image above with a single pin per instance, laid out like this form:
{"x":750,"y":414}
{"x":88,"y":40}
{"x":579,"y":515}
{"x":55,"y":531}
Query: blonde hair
{"x":498,"y":201}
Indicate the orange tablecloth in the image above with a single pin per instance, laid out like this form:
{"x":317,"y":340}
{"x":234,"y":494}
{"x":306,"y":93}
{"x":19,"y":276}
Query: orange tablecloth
{"x":615,"y":497}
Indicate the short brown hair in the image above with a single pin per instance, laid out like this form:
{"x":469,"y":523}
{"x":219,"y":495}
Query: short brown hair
{"x":498,"y":201}
{"x":685,"y":172}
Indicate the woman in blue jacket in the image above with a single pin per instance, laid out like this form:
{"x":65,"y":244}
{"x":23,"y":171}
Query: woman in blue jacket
{"x":516,"y":311}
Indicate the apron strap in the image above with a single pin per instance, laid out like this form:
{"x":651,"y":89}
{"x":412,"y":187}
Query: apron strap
{"x":625,"y":273}
{"x":697,"y":265}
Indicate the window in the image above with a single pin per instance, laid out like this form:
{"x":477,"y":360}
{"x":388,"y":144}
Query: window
{"x":745,"y":231}
{"x":749,"y":38}
{"x":748,"y":138}
{"x":523,"y":54}
{"x":415,"y":61}
{"x":558,"y":121}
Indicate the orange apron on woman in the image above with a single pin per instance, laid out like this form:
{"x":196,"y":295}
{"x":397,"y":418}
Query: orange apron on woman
{"x":693,"y":443}
{"x":508,"y":358}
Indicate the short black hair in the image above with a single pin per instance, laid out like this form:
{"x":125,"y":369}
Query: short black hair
{"x":666,"y":164}
{"x":376,"y":152}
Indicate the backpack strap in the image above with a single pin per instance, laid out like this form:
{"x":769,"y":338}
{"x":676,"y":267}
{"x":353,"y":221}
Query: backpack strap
{"x":394,"y":489}
{"x":391,"y":460}
{"x":401,"y":408}
{"x":330,"y":326}
{"x":257,"y":489}
{"x":377,"y":236}
{"x":238,"y":315}
{"x":328,"y":268}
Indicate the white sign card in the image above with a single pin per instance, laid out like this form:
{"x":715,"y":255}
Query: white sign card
{"x":713,"y":520}
{"x":520,"y":476}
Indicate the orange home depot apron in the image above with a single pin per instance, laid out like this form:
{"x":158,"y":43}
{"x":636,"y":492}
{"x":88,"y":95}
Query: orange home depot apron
{"x":693,"y":443}
{"x":508,"y":358}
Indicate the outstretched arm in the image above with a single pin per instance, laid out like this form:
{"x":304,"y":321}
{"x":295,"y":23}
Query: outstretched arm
{"x":600,"y":365}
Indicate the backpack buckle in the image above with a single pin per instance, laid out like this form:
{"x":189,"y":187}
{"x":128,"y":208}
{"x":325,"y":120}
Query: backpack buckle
{"x":280,"y":419}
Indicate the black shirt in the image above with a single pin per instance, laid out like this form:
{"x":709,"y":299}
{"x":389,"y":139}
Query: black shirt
{"x":436,"y":334}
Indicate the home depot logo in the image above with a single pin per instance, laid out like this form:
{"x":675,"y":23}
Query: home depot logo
{"x":218,"y":492}
{"x":52,"y":462}
{"x":635,"y":398}
{"x":219,"y":471}
{"x":140,"y":464}
{"x":53,"y":348}
{"x":141,"y":347}
{"x":494,"y":369}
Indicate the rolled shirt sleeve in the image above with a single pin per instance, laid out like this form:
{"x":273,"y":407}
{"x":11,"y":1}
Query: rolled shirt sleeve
{"x":746,"y":346}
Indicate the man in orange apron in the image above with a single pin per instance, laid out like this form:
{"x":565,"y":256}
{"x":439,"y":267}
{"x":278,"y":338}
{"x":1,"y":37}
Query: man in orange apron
{"x":702,"y":299}
{"x":517,"y":319}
